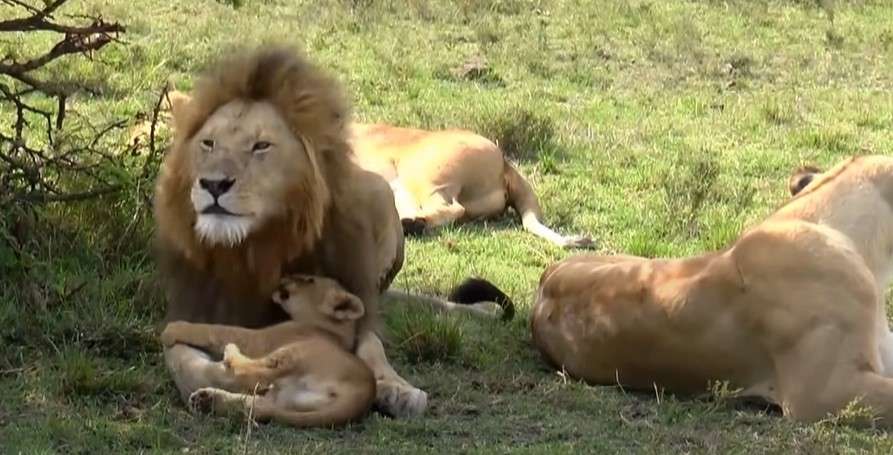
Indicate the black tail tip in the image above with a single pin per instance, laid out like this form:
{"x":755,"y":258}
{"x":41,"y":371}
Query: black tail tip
{"x":475,"y":290}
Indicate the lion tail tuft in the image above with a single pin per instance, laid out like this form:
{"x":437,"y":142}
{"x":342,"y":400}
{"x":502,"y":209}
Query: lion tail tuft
{"x":475,"y":290}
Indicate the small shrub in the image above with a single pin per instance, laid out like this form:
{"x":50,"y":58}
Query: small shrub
{"x":427,"y":337}
{"x":687,"y":186}
{"x":523,"y":135}
{"x":233,"y":3}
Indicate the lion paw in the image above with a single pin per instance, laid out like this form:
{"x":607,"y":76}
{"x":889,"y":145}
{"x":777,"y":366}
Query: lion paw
{"x":578,"y":241}
{"x":169,"y":336}
{"x":202,"y":400}
{"x":400,"y":399}
{"x":413,"y":226}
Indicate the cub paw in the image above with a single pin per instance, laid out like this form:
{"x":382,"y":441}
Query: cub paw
{"x":413,"y":226}
{"x":230,"y":353}
{"x":202,"y":401}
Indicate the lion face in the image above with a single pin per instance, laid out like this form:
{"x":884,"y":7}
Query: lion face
{"x":244,"y":162}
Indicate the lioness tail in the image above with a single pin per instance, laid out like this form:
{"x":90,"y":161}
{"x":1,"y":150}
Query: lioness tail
{"x":522,"y":198}
{"x":474,"y":290}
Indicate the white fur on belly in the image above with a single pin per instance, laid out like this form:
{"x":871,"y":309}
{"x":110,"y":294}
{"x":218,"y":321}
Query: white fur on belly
{"x":223,"y":229}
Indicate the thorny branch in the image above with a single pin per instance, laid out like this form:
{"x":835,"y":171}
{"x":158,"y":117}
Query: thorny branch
{"x":35,"y":165}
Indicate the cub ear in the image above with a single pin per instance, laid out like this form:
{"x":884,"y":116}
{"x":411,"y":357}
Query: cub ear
{"x":344,"y":306}
{"x":179,"y":104}
{"x":801,"y":178}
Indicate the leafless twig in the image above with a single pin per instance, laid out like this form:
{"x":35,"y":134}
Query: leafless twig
{"x":35,"y":168}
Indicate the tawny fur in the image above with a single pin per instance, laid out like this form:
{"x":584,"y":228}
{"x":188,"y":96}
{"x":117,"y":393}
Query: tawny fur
{"x":801,"y":178}
{"x":300,"y":372}
{"x":327,"y":217}
{"x":441,"y":177}
{"x":792,"y":312}
{"x":313,"y":105}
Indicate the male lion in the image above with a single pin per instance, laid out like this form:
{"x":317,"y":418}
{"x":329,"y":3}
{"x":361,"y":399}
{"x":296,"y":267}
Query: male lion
{"x":258,"y":182}
{"x":305,"y":372}
{"x":792,"y":312}
{"x":439,"y":177}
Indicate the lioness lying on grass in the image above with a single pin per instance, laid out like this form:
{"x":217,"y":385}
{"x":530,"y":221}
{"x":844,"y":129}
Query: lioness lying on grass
{"x":792,"y":312}
{"x":441,"y":177}
{"x":300,"y":372}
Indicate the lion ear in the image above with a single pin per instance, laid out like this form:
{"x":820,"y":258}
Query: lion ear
{"x":802,"y":178}
{"x":343,"y":306}
{"x":179,"y":104}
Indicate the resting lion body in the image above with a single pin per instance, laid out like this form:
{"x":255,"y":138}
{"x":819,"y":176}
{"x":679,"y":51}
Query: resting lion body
{"x":300,"y":372}
{"x":440,"y":177}
{"x":259,"y":182}
{"x":793,"y":311}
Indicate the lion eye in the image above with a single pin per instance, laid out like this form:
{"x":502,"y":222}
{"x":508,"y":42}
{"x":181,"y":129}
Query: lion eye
{"x":207,"y":144}
{"x":261,"y":146}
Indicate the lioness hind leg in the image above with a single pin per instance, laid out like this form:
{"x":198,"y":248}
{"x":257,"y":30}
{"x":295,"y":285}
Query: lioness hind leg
{"x":439,"y":215}
{"x":406,"y":204}
{"x":491,"y":204}
{"x":438,"y":209}
{"x":829,"y":369}
{"x":876,"y":392}
{"x":441,"y":208}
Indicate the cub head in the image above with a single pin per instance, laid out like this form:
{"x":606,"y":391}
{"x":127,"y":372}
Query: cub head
{"x":320,"y":302}
{"x":801,"y":178}
{"x":257,"y":146}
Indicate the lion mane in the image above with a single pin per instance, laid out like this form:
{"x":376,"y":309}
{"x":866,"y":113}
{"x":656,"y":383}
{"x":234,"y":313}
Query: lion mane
{"x":313,"y":105}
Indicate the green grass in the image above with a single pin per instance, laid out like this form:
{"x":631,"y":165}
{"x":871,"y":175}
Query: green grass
{"x":661,"y":128}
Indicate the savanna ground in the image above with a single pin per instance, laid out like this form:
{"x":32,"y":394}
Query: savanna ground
{"x":662,"y":128}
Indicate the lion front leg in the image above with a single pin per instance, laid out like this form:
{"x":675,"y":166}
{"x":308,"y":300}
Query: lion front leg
{"x":191,"y":367}
{"x":394,"y":395}
{"x":211,"y":337}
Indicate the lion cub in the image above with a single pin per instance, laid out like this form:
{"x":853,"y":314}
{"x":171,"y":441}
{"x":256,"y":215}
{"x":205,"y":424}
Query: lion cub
{"x":300,"y":372}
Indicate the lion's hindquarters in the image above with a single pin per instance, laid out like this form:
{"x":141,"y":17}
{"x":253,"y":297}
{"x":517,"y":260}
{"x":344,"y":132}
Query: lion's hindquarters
{"x":210,"y":337}
{"x":829,"y":369}
{"x":641,"y":323}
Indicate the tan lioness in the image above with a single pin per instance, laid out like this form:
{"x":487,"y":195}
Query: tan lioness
{"x":793,"y":311}
{"x":303,"y":369}
{"x":439,"y":177}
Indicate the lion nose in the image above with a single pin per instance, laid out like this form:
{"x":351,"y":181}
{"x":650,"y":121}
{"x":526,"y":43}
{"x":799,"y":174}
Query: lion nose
{"x":216,"y":187}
